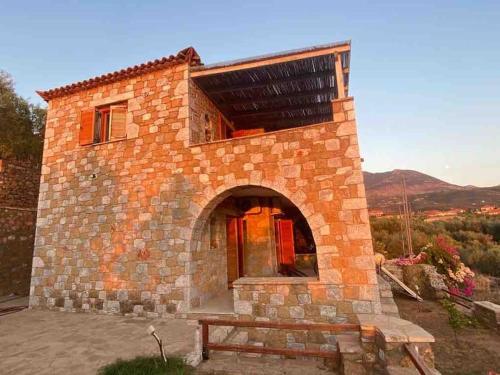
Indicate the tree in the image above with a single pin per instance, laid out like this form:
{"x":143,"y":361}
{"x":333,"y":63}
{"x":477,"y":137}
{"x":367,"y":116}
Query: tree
{"x":21,"y":123}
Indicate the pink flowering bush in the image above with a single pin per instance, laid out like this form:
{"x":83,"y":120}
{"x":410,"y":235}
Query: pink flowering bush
{"x":420,"y":258}
{"x":444,"y":256}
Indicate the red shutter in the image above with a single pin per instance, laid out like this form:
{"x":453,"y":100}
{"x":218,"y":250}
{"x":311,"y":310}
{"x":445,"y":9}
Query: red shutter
{"x":286,"y":242}
{"x":118,"y":122}
{"x":87,"y":127}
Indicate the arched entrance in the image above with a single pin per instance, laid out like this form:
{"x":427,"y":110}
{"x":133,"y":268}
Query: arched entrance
{"x":248,"y":231}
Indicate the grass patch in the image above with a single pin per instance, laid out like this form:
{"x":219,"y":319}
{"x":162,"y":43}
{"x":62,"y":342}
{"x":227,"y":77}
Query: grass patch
{"x":147,"y":366}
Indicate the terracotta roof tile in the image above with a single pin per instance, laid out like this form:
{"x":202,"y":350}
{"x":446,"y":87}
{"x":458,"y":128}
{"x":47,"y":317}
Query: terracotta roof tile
{"x":187,"y":55}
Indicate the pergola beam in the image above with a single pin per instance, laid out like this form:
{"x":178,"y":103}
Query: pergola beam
{"x":271,"y":111}
{"x":271,"y":82}
{"x":339,"y":76}
{"x":204,"y":71}
{"x":266,"y":99}
{"x":296,"y":121}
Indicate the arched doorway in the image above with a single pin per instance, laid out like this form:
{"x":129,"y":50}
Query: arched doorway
{"x":248,"y":231}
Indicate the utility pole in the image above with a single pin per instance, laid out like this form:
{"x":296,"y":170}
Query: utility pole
{"x":406,"y":211}
{"x":402,"y":231}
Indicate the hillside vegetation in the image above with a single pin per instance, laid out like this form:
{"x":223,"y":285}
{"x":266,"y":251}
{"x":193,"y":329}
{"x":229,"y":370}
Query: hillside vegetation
{"x":477,"y":238}
{"x":384,"y":191}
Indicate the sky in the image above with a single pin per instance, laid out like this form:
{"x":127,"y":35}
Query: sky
{"x":425,"y":75}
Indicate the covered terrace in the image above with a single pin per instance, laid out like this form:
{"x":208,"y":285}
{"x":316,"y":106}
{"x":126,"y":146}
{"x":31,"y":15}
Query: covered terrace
{"x":275,"y":92}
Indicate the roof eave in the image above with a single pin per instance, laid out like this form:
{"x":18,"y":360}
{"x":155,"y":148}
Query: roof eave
{"x":337,"y":47}
{"x":185,"y":56}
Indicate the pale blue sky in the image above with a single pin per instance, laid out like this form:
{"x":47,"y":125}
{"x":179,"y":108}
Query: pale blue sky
{"x":425,"y":74}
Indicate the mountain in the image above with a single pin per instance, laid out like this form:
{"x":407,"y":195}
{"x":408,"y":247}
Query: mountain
{"x":384,"y":191}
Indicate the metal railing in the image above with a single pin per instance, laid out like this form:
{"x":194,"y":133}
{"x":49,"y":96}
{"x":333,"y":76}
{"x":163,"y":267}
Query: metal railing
{"x":207,"y":345}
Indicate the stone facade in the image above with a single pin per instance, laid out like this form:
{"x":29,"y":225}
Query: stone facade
{"x":200,"y":106}
{"x":122,"y":225}
{"x":19,"y":181}
{"x":210,"y":279}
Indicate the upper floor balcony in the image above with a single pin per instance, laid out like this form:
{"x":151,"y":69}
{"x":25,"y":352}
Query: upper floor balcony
{"x":267,"y":93}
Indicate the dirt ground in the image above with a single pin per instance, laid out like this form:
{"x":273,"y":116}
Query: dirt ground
{"x":478,"y":349}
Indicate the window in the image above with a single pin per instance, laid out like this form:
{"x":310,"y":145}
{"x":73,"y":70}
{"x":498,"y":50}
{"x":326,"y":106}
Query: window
{"x":103,"y":124}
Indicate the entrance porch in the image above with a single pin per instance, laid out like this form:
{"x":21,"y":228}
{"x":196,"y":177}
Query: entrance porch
{"x":253,"y":233}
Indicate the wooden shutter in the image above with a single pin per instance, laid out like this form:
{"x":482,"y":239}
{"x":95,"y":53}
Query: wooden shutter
{"x":87,"y":118}
{"x":118,"y":122}
{"x":286,"y":242}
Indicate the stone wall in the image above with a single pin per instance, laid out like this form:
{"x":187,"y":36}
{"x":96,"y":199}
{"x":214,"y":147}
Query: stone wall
{"x":259,"y":257}
{"x":19,"y":181}
{"x":199,"y":106}
{"x":488,"y":313}
{"x":119,"y":222}
{"x":17,"y":234}
{"x":425,"y":280}
{"x":296,"y":299}
{"x":211,"y":263}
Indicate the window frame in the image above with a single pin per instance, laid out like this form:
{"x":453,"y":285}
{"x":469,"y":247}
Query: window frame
{"x":102,"y":131}
{"x":99,"y":129}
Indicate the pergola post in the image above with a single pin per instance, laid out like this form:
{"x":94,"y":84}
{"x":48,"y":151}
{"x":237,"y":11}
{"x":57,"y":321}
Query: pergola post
{"x":339,"y":76}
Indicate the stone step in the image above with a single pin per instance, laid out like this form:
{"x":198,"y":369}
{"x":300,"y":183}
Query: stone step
{"x":204,"y":315}
{"x":220,"y":365}
{"x":390,"y":309}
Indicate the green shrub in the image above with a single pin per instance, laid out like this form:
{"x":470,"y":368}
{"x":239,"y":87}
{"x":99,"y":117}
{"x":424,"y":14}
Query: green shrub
{"x":457,"y":319}
{"x":475,"y":236}
{"x":147,"y":366}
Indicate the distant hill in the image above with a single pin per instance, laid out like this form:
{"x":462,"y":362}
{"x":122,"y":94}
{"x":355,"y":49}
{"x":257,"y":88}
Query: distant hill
{"x":425,"y":192}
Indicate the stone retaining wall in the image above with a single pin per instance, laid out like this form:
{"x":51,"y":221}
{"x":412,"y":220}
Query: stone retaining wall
{"x":425,"y":280}
{"x":488,"y":313}
{"x":19,"y":181}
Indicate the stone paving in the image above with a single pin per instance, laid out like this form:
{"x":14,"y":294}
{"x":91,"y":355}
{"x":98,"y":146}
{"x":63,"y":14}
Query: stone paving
{"x":48,"y":342}
{"x":220,"y":364}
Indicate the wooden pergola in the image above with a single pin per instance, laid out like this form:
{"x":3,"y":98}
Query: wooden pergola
{"x":278,"y":91}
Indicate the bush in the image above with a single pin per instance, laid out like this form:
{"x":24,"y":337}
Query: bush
{"x":456,"y":319}
{"x":485,"y":261}
{"x":147,"y":366}
{"x":475,"y":236}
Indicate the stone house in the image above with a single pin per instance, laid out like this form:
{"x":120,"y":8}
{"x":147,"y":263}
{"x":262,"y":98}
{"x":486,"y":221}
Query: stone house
{"x":174,"y":187}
